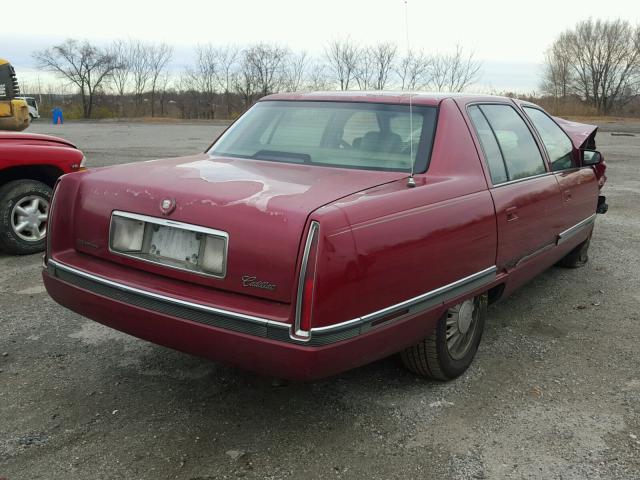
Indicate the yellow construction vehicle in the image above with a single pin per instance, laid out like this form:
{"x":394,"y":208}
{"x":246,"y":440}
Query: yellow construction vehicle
{"x":14,"y":112}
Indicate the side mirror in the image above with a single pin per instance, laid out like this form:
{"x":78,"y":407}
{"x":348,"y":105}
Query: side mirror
{"x":591,"y":158}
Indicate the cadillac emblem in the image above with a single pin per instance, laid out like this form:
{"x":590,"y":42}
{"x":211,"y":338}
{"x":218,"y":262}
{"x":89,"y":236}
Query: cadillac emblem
{"x":167,"y":206}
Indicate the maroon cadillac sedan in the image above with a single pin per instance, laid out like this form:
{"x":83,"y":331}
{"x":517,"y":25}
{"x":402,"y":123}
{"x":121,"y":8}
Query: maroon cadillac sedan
{"x":324,"y":231}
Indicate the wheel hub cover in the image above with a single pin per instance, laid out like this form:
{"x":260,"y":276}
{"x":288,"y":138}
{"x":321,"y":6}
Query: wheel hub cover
{"x":33,"y":221}
{"x":465,"y":316}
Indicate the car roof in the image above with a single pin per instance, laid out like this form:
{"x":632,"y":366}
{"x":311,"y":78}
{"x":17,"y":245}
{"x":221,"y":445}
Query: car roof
{"x":401,"y":97}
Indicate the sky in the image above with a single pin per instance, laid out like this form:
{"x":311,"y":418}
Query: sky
{"x":509,"y":37}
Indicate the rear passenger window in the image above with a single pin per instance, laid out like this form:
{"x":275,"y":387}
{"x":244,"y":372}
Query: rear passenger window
{"x":557,"y":143}
{"x":489,"y":146}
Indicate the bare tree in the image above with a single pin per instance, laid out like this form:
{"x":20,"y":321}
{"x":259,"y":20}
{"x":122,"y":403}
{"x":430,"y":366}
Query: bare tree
{"x":318,"y":78}
{"x":141,"y":70}
{"x":163,"y":88}
{"x":227,"y":60}
{"x":295,"y":70}
{"x":266,"y":65}
{"x":189,"y":97}
{"x":412,"y":70}
{"x":604,"y":58}
{"x":122,"y":73}
{"x":558,"y":75}
{"x":453,"y":72}
{"x":384,"y":57}
{"x":342,"y":58}
{"x":83,"y":64}
{"x":245,"y":82}
{"x":120,"y":77}
{"x":203,"y":77}
{"x":159,"y":57}
{"x":364,"y":68}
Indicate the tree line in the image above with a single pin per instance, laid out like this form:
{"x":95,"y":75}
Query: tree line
{"x":134,"y":77}
{"x":596,"y":62}
{"x":592,"y":67}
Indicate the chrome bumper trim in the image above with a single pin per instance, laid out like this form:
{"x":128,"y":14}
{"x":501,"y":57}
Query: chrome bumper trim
{"x":577,"y":228}
{"x":55,"y":265}
{"x":259,"y":326}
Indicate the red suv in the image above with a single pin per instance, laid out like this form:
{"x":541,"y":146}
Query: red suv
{"x":30,"y":164}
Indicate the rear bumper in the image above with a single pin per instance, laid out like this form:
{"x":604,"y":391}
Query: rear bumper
{"x":255,"y":344}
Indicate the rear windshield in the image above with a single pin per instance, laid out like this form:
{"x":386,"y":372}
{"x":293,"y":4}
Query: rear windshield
{"x":368,"y":136}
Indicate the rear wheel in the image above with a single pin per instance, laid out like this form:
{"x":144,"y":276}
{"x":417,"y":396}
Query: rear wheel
{"x":449,"y":351}
{"x":24,"y":207}
{"x":578,"y":257}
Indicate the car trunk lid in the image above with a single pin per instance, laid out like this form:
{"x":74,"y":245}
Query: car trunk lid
{"x":263,"y":207}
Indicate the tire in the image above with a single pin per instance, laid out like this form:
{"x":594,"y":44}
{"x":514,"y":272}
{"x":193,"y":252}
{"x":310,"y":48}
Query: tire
{"x":23,"y":201}
{"x":433,"y":358}
{"x":578,"y":257}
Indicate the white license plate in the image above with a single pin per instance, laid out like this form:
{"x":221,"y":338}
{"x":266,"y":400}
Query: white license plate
{"x":175,"y":243}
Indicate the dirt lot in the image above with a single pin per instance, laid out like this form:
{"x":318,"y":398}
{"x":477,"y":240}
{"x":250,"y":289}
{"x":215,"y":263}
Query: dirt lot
{"x":554,"y":392}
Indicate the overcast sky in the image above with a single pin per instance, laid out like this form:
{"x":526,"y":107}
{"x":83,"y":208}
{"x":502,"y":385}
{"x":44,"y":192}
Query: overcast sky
{"x":508,"y":36}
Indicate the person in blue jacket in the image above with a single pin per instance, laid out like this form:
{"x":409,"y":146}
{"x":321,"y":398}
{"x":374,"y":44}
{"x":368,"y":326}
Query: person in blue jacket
{"x":58,"y":118}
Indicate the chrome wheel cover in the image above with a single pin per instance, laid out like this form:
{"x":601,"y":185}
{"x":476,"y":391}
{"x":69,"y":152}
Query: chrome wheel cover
{"x":462,"y":322}
{"x":29,"y":218}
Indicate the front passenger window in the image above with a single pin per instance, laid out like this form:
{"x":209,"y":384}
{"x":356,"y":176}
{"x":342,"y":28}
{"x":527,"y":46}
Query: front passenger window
{"x":519,"y":149}
{"x":557,"y":143}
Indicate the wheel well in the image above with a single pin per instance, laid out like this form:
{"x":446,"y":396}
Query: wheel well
{"x":495,"y":293}
{"x":46,"y":174}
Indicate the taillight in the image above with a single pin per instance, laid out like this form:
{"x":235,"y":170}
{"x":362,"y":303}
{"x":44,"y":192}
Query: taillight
{"x":306,"y":284}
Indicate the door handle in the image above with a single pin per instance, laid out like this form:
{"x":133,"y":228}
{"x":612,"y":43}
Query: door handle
{"x":511,"y":214}
{"x":566,"y":195}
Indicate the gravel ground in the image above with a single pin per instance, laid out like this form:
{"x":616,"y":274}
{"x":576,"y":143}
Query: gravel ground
{"x":554,"y":392}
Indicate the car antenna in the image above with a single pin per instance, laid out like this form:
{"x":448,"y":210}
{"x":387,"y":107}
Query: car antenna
{"x":411,"y":181}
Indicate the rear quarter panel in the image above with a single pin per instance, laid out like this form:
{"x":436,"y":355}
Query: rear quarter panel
{"x":407,"y":241}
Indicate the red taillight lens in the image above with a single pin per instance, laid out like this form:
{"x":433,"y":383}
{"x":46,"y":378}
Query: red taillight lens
{"x":307,"y":305}
{"x":306,"y":284}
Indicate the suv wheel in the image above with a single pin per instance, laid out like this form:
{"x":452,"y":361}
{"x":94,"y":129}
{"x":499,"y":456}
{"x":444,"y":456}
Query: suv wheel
{"x":24,"y":207}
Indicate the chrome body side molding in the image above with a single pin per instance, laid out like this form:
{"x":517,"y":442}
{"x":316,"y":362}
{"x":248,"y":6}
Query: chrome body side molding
{"x":262,"y":327}
{"x":577,"y":228}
